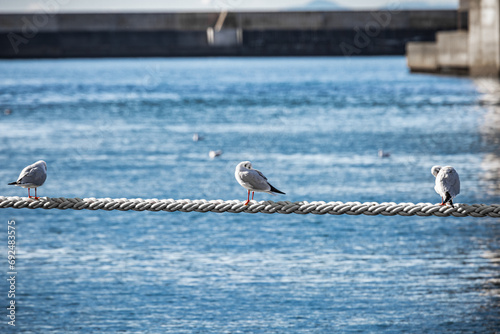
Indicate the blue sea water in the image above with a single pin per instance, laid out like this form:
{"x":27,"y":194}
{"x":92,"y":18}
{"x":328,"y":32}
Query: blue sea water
{"x":124,"y":127}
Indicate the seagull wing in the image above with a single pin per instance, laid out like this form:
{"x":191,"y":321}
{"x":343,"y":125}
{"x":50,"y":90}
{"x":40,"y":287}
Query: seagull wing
{"x":32,"y":175}
{"x":450,"y":182}
{"x":260,"y":174}
{"x":255,"y":180}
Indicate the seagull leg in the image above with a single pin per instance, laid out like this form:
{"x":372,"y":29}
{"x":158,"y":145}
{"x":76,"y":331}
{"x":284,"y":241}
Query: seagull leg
{"x":447,"y":199}
{"x":29,"y":196}
{"x":253,"y":192}
{"x":248,"y":198}
{"x":35,"y":194}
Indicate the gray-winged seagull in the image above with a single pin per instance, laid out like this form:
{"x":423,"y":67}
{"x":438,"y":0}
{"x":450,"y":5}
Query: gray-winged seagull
{"x":253,"y":180}
{"x":32,"y":176}
{"x":447,"y":183}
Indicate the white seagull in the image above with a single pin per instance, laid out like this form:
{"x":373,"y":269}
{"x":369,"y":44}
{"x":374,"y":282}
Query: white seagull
{"x":253,"y":180}
{"x":447,"y":183}
{"x":214,"y":154}
{"x":32,"y":176}
{"x":197,"y":137}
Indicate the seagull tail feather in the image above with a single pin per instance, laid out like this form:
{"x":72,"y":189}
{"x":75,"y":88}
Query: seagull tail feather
{"x":12,"y":183}
{"x":276,"y":190}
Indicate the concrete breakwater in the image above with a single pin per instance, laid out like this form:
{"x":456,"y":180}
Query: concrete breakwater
{"x":474,"y":51}
{"x":338,"y":33}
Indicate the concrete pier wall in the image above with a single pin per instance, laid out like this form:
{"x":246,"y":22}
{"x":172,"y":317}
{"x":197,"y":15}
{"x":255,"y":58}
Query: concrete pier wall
{"x":484,"y":37}
{"x":346,"y":33}
{"x":452,"y":50}
{"x":422,"y":56}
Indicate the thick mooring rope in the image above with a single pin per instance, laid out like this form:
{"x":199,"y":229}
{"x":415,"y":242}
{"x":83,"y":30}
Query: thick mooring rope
{"x":235,"y":206}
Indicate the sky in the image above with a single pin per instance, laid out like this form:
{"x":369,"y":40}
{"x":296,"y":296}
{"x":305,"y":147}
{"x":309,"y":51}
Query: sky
{"x":9,"y":6}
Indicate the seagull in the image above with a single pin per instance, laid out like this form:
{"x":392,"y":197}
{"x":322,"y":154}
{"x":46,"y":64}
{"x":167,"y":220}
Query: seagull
{"x":197,"y":137}
{"x":214,"y":154}
{"x":383,"y":154}
{"x":253,"y":180}
{"x":447,"y":183}
{"x":32,"y":176}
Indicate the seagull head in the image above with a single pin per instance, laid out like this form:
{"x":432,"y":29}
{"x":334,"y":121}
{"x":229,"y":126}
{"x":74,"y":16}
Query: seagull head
{"x":41,"y":163}
{"x":244,"y":164}
{"x":435,"y":170}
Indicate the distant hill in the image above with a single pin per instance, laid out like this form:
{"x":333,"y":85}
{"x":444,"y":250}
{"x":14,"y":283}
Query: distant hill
{"x":326,"y":5}
{"x":318,"y":5}
{"x":423,"y":5}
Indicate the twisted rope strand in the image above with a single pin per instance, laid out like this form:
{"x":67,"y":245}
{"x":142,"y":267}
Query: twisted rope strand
{"x":235,"y":206}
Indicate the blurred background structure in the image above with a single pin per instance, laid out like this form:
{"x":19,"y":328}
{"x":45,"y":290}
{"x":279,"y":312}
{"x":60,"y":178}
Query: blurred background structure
{"x":279,"y":33}
{"x":474,"y":51}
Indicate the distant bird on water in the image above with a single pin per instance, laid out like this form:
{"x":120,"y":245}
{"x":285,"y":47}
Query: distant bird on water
{"x":197,"y":137}
{"x":253,"y":180}
{"x":32,"y":176}
{"x":383,"y":154}
{"x":214,"y":154}
{"x":447,"y":183}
